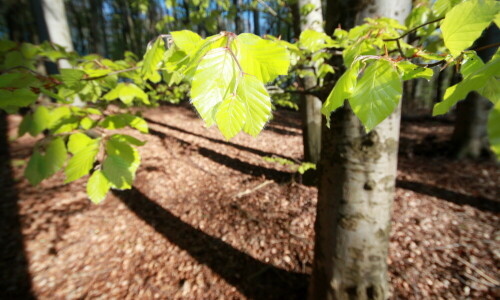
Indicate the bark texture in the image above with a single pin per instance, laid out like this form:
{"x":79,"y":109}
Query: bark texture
{"x":311,"y":105}
{"x":356,"y":190}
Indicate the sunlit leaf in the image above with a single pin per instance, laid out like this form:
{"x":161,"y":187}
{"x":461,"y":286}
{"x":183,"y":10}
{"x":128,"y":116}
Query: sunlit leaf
{"x":465,"y":22}
{"x":97,"y":187}
{"x":376,"y":94}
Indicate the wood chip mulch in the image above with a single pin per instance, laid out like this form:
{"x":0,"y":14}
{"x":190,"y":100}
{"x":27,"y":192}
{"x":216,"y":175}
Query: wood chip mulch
{"x":210,"y":219}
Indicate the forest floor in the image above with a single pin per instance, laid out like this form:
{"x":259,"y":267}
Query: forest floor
{"x":210,"y":219}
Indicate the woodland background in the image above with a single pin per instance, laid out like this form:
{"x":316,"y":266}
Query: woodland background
{"x":212,"y":219}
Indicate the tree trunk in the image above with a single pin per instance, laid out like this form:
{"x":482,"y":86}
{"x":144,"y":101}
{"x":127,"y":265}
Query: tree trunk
{"x":53,"y":25}
{"x":470,"y":135}
{"x":238,"y":24}
{"x":356,"y":190}
{"x":256,"y":21}
{"x":311,"y":105}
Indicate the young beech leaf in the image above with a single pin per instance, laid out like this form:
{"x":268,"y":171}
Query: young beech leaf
{"x":261,"y":58}
{"x":97,"y":187}
{"x":465,"y":22}
{"x":78,"y":141}
{"x":44,"y":165}
{"x":475,"y":80}
{"x":121,"y":163}
{"x":152,"y":60}
{"x":16,"y":98}
{"x":377,"y":93}
{"x":314,"y":41}
{"x":342,"y":90}
{"x":257,"y":104}
{"x":411,"y":71}
{"x":122,"y":120}
{"x":186,"y":40}
{"x":82,"y":161}
{"x":40,"y":120}
{"x":127,"y":92}
{"x":213,"y":81}
{"x":230,"y":116}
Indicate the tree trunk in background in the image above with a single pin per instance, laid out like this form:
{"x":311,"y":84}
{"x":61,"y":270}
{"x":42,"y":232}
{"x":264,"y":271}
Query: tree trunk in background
{"x":97,"y":27}
{"x":53,"y":26}
{"x":256,"y":21}
{"x":238,"y":24}
{"x":470,"y":134}
{"x":311,"y":105}
{"x":356,"y":190}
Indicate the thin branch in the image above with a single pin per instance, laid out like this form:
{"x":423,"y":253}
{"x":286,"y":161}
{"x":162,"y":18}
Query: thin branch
{"x":487,"y":47}
{"x":112,"y":73}
{"x":413,"y":30}
{"x":432,"y":64}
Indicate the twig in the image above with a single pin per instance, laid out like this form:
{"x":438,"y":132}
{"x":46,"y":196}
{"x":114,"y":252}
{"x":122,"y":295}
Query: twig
{"x":487,"y":47}
{"x":479,"y":280}
{"x":478,"y":271}
{"x":112,"y":73}
{"x":249,"y":191}
{"x":413,"y":30}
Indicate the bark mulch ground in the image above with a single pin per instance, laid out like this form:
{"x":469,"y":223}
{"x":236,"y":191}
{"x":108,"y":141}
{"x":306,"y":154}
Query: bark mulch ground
{"x":211,"y":219}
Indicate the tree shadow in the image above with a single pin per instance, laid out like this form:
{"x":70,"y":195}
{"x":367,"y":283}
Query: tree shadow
{"x":233,"y":163}
{"x":15,"y":279}
{"x":281,"y":131}
{"x":239,"y":147}
{"x":481,"y":203}
{"x":253,"y":278}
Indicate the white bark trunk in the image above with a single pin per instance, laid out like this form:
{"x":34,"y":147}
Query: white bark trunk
{"x":311,"y":105}
{"x":59,"y":33}
{"x":358,"y":173}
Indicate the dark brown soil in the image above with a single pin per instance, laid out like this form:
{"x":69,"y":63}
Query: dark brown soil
{"x":210,"y":219}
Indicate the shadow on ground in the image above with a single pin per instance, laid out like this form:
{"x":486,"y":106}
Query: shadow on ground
{"x":450,"y":196}
{"x":15,"y":279}
{"x":253,"y":278}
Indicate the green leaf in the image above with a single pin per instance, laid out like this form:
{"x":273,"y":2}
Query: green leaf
{"x":82,"y":161}
{"x":342,"y":90}
{"x":153,"y":59}
{"x":257,"y":104}
{"x":17,"y":98}
{"x":62,"y":120}
{"x":494,"y":129}
{"x":492,"y":90}
{"x":33,"y":171}
{"x":475,"y":80}
{"x":40,"y":120}
{"x":128,"y":139}
{"x":261,"y":58}
{"x":231,"y":116}
{"x":127,"y":92}
{"x":213,"y":81}
{"x":465,"y":22}
{"x":441,"y":7}
{"x":17,"y":80}
{"x":122,"y":120}
{"x":25,"y":125}
{"x":314,"y":41}
{"x":471,"y":62}
{"x":376,"y":94}
{"x":97,"y":187}
{"x":186,"y":40}
{"x":72,"y":77}
{"x":78,"y":141}
{"x":411,"y":71}
{"x":43,"y":165}
{"x":121,"y":163}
